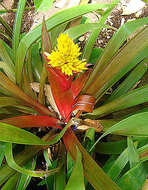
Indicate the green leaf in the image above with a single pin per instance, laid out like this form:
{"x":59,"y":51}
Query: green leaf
{"x":119,"y":66}
{"x":96,"y":52}
{"x":130,"y":81}
{"x":36,"y":61}
{"x":2,"y":152}
{"x":46,"y":46}
{"x":134,"y":178}
{"x":23,"y":157}
{"x":18,"y":92}
{"x":11,"y":183}
{"x":111,"y":147}
{"x":89,"y":139}
{"x":26,"y":85}
{"x":12,"y":164}
{"x":46,"y":156}
{"x":55,"y":20}
{"x":17,"y":25}
{"x":43,"y":5}
{"x":6,"y":26}
{"x":24,"y":179}
{"x":108,"y":164}
{"x":50,"y":180}
{"x":133,"y":155}
{"x":70,"y":164}
{"x":79,"y":30}
{"x":13,"y":134}
{"x":5,"y":36}
{"x":94,"y":174}
{"x":132,"y":98}
{"x":7,"y":63}
{"x":7,"y":69}
{"x":118,"y":165}
{"x":94,"y":35}
{"x":8,"y":101}
{"x":114,"y":44}
{"x":129,"y":127}
{"x":77,"y":175}
{"x":60,"y":179}
{"x":9,"y":133}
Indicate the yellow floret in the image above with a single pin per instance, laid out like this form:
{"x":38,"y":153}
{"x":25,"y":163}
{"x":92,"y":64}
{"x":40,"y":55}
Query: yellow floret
{"x":65,"y":56}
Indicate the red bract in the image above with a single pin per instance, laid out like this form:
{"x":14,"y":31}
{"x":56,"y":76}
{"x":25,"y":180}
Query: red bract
{"x":61,"y":91}
{"x":65,"y":90}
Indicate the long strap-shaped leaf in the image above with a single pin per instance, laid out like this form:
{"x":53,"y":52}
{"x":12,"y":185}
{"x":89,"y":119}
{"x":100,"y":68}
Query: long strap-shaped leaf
{"x":46,"y":47}
{"x":77,"y":173}
{"x":17,"y":25}
{"x":95,"y":175}
{"x":114,"y":44}
{"x":135,"y":125}
{"x":94,"y":35}
{"x":119,"y":65}
{"x":133,"y":98}
{"x":17,"y":92}
{"x":12,"y":134}
{"x":7,"y":62}
{"x":22,"y":158}
{"x":12,"y":164}
{"x":130,"y":81}
{"x":134,"y":178}
{"x":32,"y":121}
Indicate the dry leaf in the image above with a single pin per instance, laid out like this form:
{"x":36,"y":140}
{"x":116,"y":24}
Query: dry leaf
{"x":50,"y":98}
{"x":88,"y":123}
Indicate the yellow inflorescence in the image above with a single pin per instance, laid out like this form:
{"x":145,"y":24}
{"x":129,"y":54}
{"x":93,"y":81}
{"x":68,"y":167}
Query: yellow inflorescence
{"x":65,"y":56}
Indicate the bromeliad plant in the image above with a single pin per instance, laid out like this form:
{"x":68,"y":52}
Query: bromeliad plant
{"x":77,"y":81}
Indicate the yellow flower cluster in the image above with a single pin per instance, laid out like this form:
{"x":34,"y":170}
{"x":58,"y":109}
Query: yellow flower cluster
{"x":65,"y":56}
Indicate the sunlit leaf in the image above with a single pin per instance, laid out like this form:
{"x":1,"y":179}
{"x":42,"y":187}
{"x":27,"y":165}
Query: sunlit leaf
{"x":77,"y":173}
{"x":43,"y":5}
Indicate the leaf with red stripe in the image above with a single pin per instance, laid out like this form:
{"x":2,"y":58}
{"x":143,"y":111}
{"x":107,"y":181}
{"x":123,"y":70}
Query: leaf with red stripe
{"x":33,"y":121}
